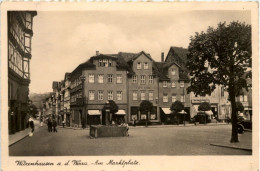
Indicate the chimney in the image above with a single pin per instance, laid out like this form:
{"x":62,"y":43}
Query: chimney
{"x":97,"y":53}
{"x":162,"y":59}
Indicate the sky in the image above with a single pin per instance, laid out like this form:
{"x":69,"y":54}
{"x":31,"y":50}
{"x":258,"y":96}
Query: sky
{"x":63,"y":40}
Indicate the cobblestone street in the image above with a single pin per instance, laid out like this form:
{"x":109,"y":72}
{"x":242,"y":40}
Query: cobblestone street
{"x":171,"y":140}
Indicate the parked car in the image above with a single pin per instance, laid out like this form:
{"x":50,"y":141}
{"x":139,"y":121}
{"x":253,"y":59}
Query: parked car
{"x":201,"y":117}
{"x":242,"y":125}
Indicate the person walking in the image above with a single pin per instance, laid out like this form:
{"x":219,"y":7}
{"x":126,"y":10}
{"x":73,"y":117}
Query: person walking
{"x":63,"y":123}
{"x":31,"y":124}
{"x":54,"y":124}
{"x":49,"y":125}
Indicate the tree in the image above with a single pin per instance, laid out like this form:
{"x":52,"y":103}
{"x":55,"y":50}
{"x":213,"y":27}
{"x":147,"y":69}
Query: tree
{"x":146,"y":106}
{"x":33,"y":110}
{"x":177,"y":106}
{"x":221,"y":56}
{"x":239,"y":107}
{"x":113,"y":106}
{"x":205,"y":106}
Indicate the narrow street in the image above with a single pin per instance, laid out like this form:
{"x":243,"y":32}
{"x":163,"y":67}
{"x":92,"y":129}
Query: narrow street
{"x":173,"y":140}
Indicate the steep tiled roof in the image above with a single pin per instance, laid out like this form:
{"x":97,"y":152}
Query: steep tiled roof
{"x":127,"y":56}
{"x":158,"y":69}
{"x":177,"y":54}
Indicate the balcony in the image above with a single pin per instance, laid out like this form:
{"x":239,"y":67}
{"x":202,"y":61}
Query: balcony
{"x":77,"y":88}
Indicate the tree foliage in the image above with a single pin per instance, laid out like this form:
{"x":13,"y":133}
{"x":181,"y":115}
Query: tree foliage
{"x":205,"y":106}
{"x":221,"y":56}
{"x":239,"y":106}
{"x":146,"y":106}
{"x":177,"y":106}
{"x":113,"y":106}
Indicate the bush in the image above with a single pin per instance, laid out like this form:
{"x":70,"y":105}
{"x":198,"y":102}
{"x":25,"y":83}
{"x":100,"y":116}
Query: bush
{"x":177,"y":106}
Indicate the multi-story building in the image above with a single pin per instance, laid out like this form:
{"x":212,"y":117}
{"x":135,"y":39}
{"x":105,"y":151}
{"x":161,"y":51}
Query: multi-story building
{"x":172,"y":87}
{"x":66,"y":99}
{"x":142,"y":85}
{"x":20,"y":32}
{"x":93,"y":83}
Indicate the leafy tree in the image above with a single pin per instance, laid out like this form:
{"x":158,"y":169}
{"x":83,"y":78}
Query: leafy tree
{"x":146,"y":106}
{"x":239,"y":106}
{"x":33,"y":110}
{"x":177,"y":106}
{"x":221,"y":56}
{"x":113,"y":106}
{"x":205,"y":106}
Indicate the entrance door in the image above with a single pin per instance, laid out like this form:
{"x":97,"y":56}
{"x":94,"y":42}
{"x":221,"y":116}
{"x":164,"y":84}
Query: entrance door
{"x":103,"y":117}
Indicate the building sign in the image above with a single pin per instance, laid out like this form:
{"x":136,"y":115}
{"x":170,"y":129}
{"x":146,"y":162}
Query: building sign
{"x":200,"y":100}
{"x":143,"y":87}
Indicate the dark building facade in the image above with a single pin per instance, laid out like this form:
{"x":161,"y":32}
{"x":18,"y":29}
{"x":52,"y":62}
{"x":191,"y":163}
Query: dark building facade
{"x":20,"y":32}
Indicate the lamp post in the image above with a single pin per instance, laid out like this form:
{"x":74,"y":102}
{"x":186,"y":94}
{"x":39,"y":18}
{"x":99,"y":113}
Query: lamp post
{"x":83,"y":117}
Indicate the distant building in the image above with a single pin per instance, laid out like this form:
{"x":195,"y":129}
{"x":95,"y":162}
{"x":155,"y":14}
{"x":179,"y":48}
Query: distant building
{"x":20,"y":34}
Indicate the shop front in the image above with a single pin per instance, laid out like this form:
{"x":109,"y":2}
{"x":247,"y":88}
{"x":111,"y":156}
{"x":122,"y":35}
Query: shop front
{"x":94,"y":117}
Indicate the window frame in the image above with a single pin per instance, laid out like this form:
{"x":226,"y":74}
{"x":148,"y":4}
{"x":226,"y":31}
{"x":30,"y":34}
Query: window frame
{"x":146,"y":65}
{"x":90,"y":78}
{"x":110,"y":95}
{"x":108,"y":78}
{"x":119,"y":94}
{"x":139,"y":65}
{"x":135,"y":96}
{"x":165,"y":98}
{"x":117,"y":80}
{"x":134,"y":79}
{"x":142,"y":81}
{"x":165,"y":85}
{"x":150,"y":79}
{"x":102,"y":78}
{"x":100,"y":94}
{"x":143,"y":95}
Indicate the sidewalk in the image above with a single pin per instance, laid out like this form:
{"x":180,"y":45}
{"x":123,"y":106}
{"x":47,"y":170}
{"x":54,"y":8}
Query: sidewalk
{"x":245,"y":142}
{"x":14,"y":138}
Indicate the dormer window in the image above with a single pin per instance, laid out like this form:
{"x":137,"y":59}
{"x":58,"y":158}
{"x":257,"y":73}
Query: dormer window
{"x":109,"y":62}
{"x":100,"y":62}
{"x":173,"y":72}
{"x":105,"y":62}
{"x":145,"y":65}
{"x":139,"y":65}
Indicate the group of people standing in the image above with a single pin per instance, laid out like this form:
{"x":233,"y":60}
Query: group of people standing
{"x":52,"y":125}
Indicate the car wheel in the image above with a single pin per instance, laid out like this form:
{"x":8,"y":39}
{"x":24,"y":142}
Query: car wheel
{"x":240,"y":129}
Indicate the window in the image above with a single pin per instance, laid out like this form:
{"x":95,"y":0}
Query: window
{"x":109,"y":62}
{"x":181,"y":83}
{"x":91,"y":95}
{"x":134,"y":95}
{"x":145,"y":65}
{"x":134,"y":79}
{"x":100,"y":78}
{"x":150,"y":78}
{"x":182,"y":98}
{"x":100,"y":95}
{"x":110,"y":78}
{"x":100,"y":62}
{"x":245,"y":98}
{"x":150,"y":95}
{"x":165,"y":97}
{"x":142,"y":79}
{"x":110,"y":95}
{"x":119,"y":79}
{"x":139,"y":65}
{"x":164,"y":83}
{"x":105,"y":61}
{"x":173,"y":84}
{"x":173,"y":72}
{"x":173,"y":98}
{"x":142,"y":95}
{"x":119,"y":95}
{"x":91,"y":78}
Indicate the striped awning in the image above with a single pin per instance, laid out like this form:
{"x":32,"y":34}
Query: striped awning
{"x":120,"y":112}
{"x":94,"y":112}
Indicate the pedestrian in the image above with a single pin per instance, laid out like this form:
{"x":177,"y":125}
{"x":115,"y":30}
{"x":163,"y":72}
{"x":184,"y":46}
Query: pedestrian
{"x":134,"y":121}
{"x":31,"y":124}
{"x":127,"y":129}
{"x":54,"y":124}
{"x":49,"y":125}
{"x":41,"y":121}
{"x":63,"y":123}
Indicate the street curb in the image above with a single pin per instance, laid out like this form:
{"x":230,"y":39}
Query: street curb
{"x":22,"y":138}
{"x":226,"y":146}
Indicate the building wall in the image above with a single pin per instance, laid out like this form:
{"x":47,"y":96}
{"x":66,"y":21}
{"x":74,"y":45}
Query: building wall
{"x":139,"y":87}
{"x":19,"y":54}
{"x":105,"y":86}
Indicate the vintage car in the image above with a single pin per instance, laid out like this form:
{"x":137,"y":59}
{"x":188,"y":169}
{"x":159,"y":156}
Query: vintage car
{"x":243,"y":125}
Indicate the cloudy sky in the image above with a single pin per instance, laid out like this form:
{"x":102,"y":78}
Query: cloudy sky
{"x":63,"y":40}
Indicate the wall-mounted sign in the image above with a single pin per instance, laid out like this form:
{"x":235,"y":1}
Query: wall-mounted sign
{"x":200,"y":100}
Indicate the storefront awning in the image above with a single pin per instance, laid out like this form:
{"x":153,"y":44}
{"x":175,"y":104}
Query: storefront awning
{"x":167,"y":111}
{"x":120,"y":112}
{"x":94,"y":112}
{"x":182,"y":112}
{"x":209,"y":112}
